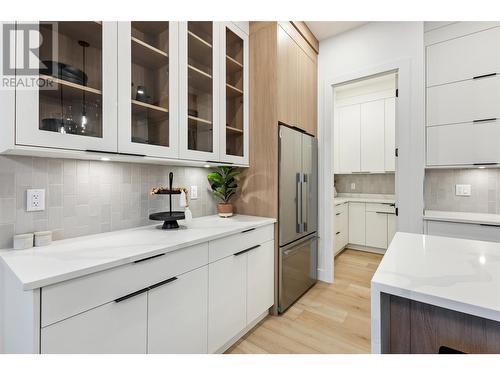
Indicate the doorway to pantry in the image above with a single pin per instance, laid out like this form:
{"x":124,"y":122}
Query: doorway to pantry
{"x":364,"y":163}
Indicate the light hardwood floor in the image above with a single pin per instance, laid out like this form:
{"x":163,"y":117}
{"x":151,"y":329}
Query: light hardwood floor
{"x":329,"y":318}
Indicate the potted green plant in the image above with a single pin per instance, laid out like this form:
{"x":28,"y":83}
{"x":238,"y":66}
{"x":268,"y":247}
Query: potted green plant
{"x":223,"y":183}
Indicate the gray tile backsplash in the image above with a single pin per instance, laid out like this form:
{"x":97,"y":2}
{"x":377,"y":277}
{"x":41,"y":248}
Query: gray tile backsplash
{"x":439,"y":190}
{"x":87,"y":197}
{"x":373,"y":183}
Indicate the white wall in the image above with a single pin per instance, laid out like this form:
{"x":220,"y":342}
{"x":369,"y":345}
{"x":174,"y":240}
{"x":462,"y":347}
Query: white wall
{"x":370,"y":49}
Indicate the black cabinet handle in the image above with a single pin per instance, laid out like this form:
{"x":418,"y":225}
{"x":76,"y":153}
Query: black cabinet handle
{"x":154,"y":256}
{"x":131,"y":295}
{"x":381,"y":212}
{"x":485,"y":120}
{"x":163,"y":283}
{"x":246,"y":250}
{"x":248,"y":230}
{"x":490,"y":225}
{"x":484,"y":76}
{"x":338,"y":213}
{"x":337,"y":233}
{"x":115,"y":153}
{"x":485,"y":164}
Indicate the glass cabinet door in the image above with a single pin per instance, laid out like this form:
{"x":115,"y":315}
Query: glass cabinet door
{"x":73,"y":100}
{"x":199,"y":90}
{"x":234,"y":93}
{"x":146,"y":67}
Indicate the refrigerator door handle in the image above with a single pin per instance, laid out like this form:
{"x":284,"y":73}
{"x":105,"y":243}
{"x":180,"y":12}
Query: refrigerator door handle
{"x":304,"y":201}
{"x":298,"y":203}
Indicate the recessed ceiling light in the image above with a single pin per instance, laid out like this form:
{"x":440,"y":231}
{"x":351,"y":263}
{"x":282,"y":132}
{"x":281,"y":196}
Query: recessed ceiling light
{"x":482,"y":167}
{"x":207,"y":165}
{"x":105,"y":159}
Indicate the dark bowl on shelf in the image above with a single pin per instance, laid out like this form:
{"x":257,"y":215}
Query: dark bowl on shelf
{"x":55,"y":125}
{"x":64,"y":71}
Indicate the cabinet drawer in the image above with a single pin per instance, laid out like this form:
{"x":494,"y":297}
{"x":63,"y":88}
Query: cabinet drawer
{"x":111,"y":328}
{"x":230,"y":245}
{"x":465,"y":101}
{"x":451,"y":144}
{"x":463,"y":58}
{"x":65,"y":299}
{"x":343,"y":207}
{"x":380,"y":207}
{"x":463,"y":230}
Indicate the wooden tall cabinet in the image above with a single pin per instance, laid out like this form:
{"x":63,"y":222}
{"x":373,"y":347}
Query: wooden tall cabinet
{"x":283,"y":88}
{"x":297,"y":80}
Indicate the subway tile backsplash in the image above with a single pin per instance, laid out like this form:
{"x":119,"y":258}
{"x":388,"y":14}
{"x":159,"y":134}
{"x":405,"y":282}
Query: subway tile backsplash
{"x":439,"y":190}
{"x":373,"y":183}
{"x":87,"y":197}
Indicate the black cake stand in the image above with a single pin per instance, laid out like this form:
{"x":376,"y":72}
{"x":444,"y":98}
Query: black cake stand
{"x":169,"y":218}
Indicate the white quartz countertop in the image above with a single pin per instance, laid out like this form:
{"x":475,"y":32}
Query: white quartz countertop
{"x":341,"y":200}
{"x":457,"y":274}
{"x":75,"y":257}
{"x":462,"y":217}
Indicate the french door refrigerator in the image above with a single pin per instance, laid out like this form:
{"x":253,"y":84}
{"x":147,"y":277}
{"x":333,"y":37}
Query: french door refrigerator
{"x":298,"y":214}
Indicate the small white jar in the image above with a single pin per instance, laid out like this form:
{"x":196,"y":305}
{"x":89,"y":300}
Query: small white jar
{"x":23,"y":241}
{"x":43,"y":238}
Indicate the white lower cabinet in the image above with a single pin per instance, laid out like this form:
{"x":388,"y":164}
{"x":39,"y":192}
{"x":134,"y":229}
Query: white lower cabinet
{"x":391,"y":228}
{"x":341,"y":226}
{"x":177,"y":314}
{"x":178,"y":302}
{"x":357,"y":223}
{"x":376,"y":229}
{"x":116,"y":327}
{"x":260,"y":280}
{"x":227,"y":289}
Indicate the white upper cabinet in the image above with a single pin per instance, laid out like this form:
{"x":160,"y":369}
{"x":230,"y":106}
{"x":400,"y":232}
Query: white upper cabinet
{"x":464,"y":101}
{"x":349,"y":122}
{"x":390,"y":135}
{"x":199,"y":69}
{"x":77,"y":109}
{"x":463,"y":58}
{"x":147,"y":88}
{"x":372,"y":136}
{"x":234,"y":114}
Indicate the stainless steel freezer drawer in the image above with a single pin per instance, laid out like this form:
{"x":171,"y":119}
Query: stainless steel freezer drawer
{"x":298,"y":269}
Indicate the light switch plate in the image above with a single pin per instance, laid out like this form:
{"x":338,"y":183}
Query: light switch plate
{"x":194,"y":192}
{"x":463,"y":190}
{"x":35,"y":200}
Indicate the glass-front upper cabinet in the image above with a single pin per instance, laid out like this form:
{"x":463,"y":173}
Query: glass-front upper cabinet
{"x":147,"y":88}
{"x":234,"y":95}
{"x":199,"y":45}
{"x":73,"y":104}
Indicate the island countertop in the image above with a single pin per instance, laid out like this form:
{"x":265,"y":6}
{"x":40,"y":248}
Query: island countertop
{"x":76,"y":257}
{"x":456,"y":274}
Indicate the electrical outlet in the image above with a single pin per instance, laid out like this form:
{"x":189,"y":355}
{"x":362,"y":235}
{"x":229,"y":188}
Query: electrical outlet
{"x":194,"y":192}
{"x":463,"y":190}
{"x":35,"y":200}
{"x":353,"y":186}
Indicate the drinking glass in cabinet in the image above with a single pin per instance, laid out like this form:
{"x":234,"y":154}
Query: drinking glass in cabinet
{"x":200,"y":86}
{"x":234,"y":94}
{"x":73,"y":103}
{"x":150,"y":83}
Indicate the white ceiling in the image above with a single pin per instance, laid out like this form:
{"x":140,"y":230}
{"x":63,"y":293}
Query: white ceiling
{"x":326,"y":29}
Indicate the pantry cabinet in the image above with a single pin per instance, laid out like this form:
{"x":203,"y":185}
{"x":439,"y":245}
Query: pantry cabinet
{"x":349,"y":131}
{"x":171,"y":91}
{"x":357,"y":223}
{"x":372,"y":131}
{"x":75,"y":105}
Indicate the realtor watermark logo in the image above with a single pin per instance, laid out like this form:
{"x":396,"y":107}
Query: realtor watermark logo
{"x":27,"y":49}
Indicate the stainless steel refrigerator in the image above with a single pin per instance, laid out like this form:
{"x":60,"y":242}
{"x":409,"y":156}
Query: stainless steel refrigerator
{"x":298,"y":214}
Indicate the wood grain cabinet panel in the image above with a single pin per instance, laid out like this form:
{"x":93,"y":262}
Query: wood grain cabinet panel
{"x":288,"y":83}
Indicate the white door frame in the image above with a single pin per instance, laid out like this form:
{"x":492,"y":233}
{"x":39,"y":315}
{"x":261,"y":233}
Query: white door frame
{"x":404,"y":198}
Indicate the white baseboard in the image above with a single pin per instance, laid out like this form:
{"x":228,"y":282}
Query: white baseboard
{"x":368,"y":249}
{"x":242,"y":333}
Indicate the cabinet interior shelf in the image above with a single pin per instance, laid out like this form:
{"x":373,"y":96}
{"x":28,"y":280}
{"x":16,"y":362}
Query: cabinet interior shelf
{"x":232,"y":91}
{"x":147,"y":55}
{"x":71,"y":91}
{"x":233,"y":66}
{"x":199,"y":80}
{"x":197,"y":120}
{"x":199,"y":39}
{"x":149,"y":106}
{"x":233,"y":130}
